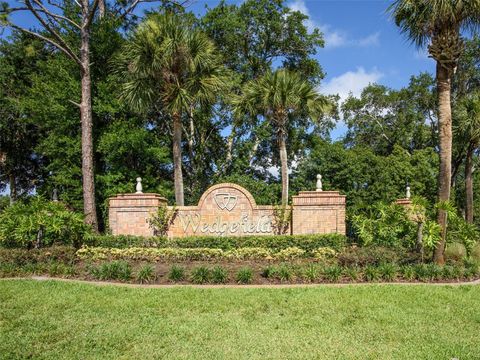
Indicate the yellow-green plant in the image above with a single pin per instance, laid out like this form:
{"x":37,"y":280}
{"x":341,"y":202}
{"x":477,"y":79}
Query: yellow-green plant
{"x":324,"y":253}
{"x":249,"y":253}
{"x":289,"y":253}
{"x":161,"y":221}
{"x":282,"y":218}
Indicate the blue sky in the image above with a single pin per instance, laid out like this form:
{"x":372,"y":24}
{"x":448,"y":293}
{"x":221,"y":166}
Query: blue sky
{"x":362,"y":45}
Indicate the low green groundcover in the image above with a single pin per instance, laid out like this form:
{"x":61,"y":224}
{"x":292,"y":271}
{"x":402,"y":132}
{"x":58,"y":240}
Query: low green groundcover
{"x":53,"y":320}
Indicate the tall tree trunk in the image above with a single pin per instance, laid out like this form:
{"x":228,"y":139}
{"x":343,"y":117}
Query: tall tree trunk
{"x":101,"y":8}
{"x":469,"y":185}
{"x":420,"y":239}
{"x":13,"y":188}
{"x":191,"y":136}
{"x":89,"y":207}
{"x":254,"y":149}
{"x":177,"y":159}
{"x":230,"y":140}
{"x":284,"y":171}
{"x":445,"y":134}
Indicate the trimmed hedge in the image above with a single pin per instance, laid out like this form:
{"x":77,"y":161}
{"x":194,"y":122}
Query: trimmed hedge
{"x":157,"y":254}
{"x":63,"y":254}
{"x":272,"y":242}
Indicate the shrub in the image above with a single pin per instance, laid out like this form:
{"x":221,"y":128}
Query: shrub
{"x":332,"y":273}
{"x":371,"y":273}
{"x":176,"y":273}
{"x":8,"y":270}
{"x":161,"y":221}
{"x":408,"y":272}
{"x":272,"y":242}
{"x":284,"y":273}
{"x":352,"y":273}
{"x":457,"y":272}
{"x":146,"y":274}
{"x":282,"y":217}
{"x":244,"y":275}
{"x":201,"y":275}
{"x":463,"y":232}
{"x":324,"y":253}
{"x":115,"y":270}
{"x":421,"y":272}
{"x":387,"y":271}
{"x":311,"y":273}
{"x":38,"y":223}
{"x":219,"y":275}
{"x":268,"y":272}
{"x":434,"y":271}
{"x":384,"y":225}
{"x":290,"y":253}
{"x":428,"y":272}
{"x":182,"y":254}
{"x":249,"y":253}
{"x":150,"y":254}
{"x":475,"y":254}
{"x":448,"y":272}
{"x":455,"y":252}
{"x":472,"y":270}
{"x":370,"y":255}
{"x":124,"y":241}
{"x":55,"y":268}
{"x":19,"y":257}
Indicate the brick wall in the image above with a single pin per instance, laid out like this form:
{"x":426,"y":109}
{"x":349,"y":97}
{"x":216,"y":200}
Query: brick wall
{"x":229,"y":210}
{"x":318,"y":212}
{"x":128,"y":213}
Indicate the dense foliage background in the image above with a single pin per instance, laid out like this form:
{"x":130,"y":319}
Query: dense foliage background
{"x":391,"y":138}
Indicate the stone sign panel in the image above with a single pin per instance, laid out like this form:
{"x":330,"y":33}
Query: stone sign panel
{"x":229,"y":210}
{"x":224,"y":209}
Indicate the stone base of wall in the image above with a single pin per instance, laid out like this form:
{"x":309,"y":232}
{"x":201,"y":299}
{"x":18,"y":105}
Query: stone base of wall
{"x":318,"y":212}
{"x":229,"y":210}
{"x":128,"y":213}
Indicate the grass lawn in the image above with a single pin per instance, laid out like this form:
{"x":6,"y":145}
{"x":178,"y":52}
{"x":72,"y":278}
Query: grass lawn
{"x":53,"y":320}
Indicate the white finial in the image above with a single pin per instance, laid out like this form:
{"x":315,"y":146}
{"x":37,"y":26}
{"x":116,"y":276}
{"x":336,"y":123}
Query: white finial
{"x":139,"y":185}
{"x":319,"y":183}
{"x":408,"y":192}
{"x":55,"y":195}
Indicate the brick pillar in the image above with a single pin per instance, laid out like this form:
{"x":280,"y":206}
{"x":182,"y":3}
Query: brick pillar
{"x":128,"y":213}
{"x":318,"y":212}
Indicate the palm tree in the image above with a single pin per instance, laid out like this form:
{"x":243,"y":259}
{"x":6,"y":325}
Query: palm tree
{"x":280,"y":96}
{"x":468,"y":130}
{"x":170,"y":63}
{"x":438,"y":24}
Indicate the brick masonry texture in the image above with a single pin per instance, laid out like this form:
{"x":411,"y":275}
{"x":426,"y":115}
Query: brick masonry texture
{"x":229,"y":210}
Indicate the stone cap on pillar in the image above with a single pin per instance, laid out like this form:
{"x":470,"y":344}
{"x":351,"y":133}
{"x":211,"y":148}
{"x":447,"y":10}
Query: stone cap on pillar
{"x":403,"y":202}
{"x":315,"y":198}
{"x":137,"y":199}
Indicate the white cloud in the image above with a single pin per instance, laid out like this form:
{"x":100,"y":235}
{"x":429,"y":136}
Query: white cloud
{"x":299,"y":5}
{"x":370,"y":40}
{"x":333,"y":37}
{"x":351,"y":82}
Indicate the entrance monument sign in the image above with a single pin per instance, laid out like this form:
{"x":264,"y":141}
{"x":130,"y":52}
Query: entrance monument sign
{"x":229,"y":210}
{"x":224,"y":209}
